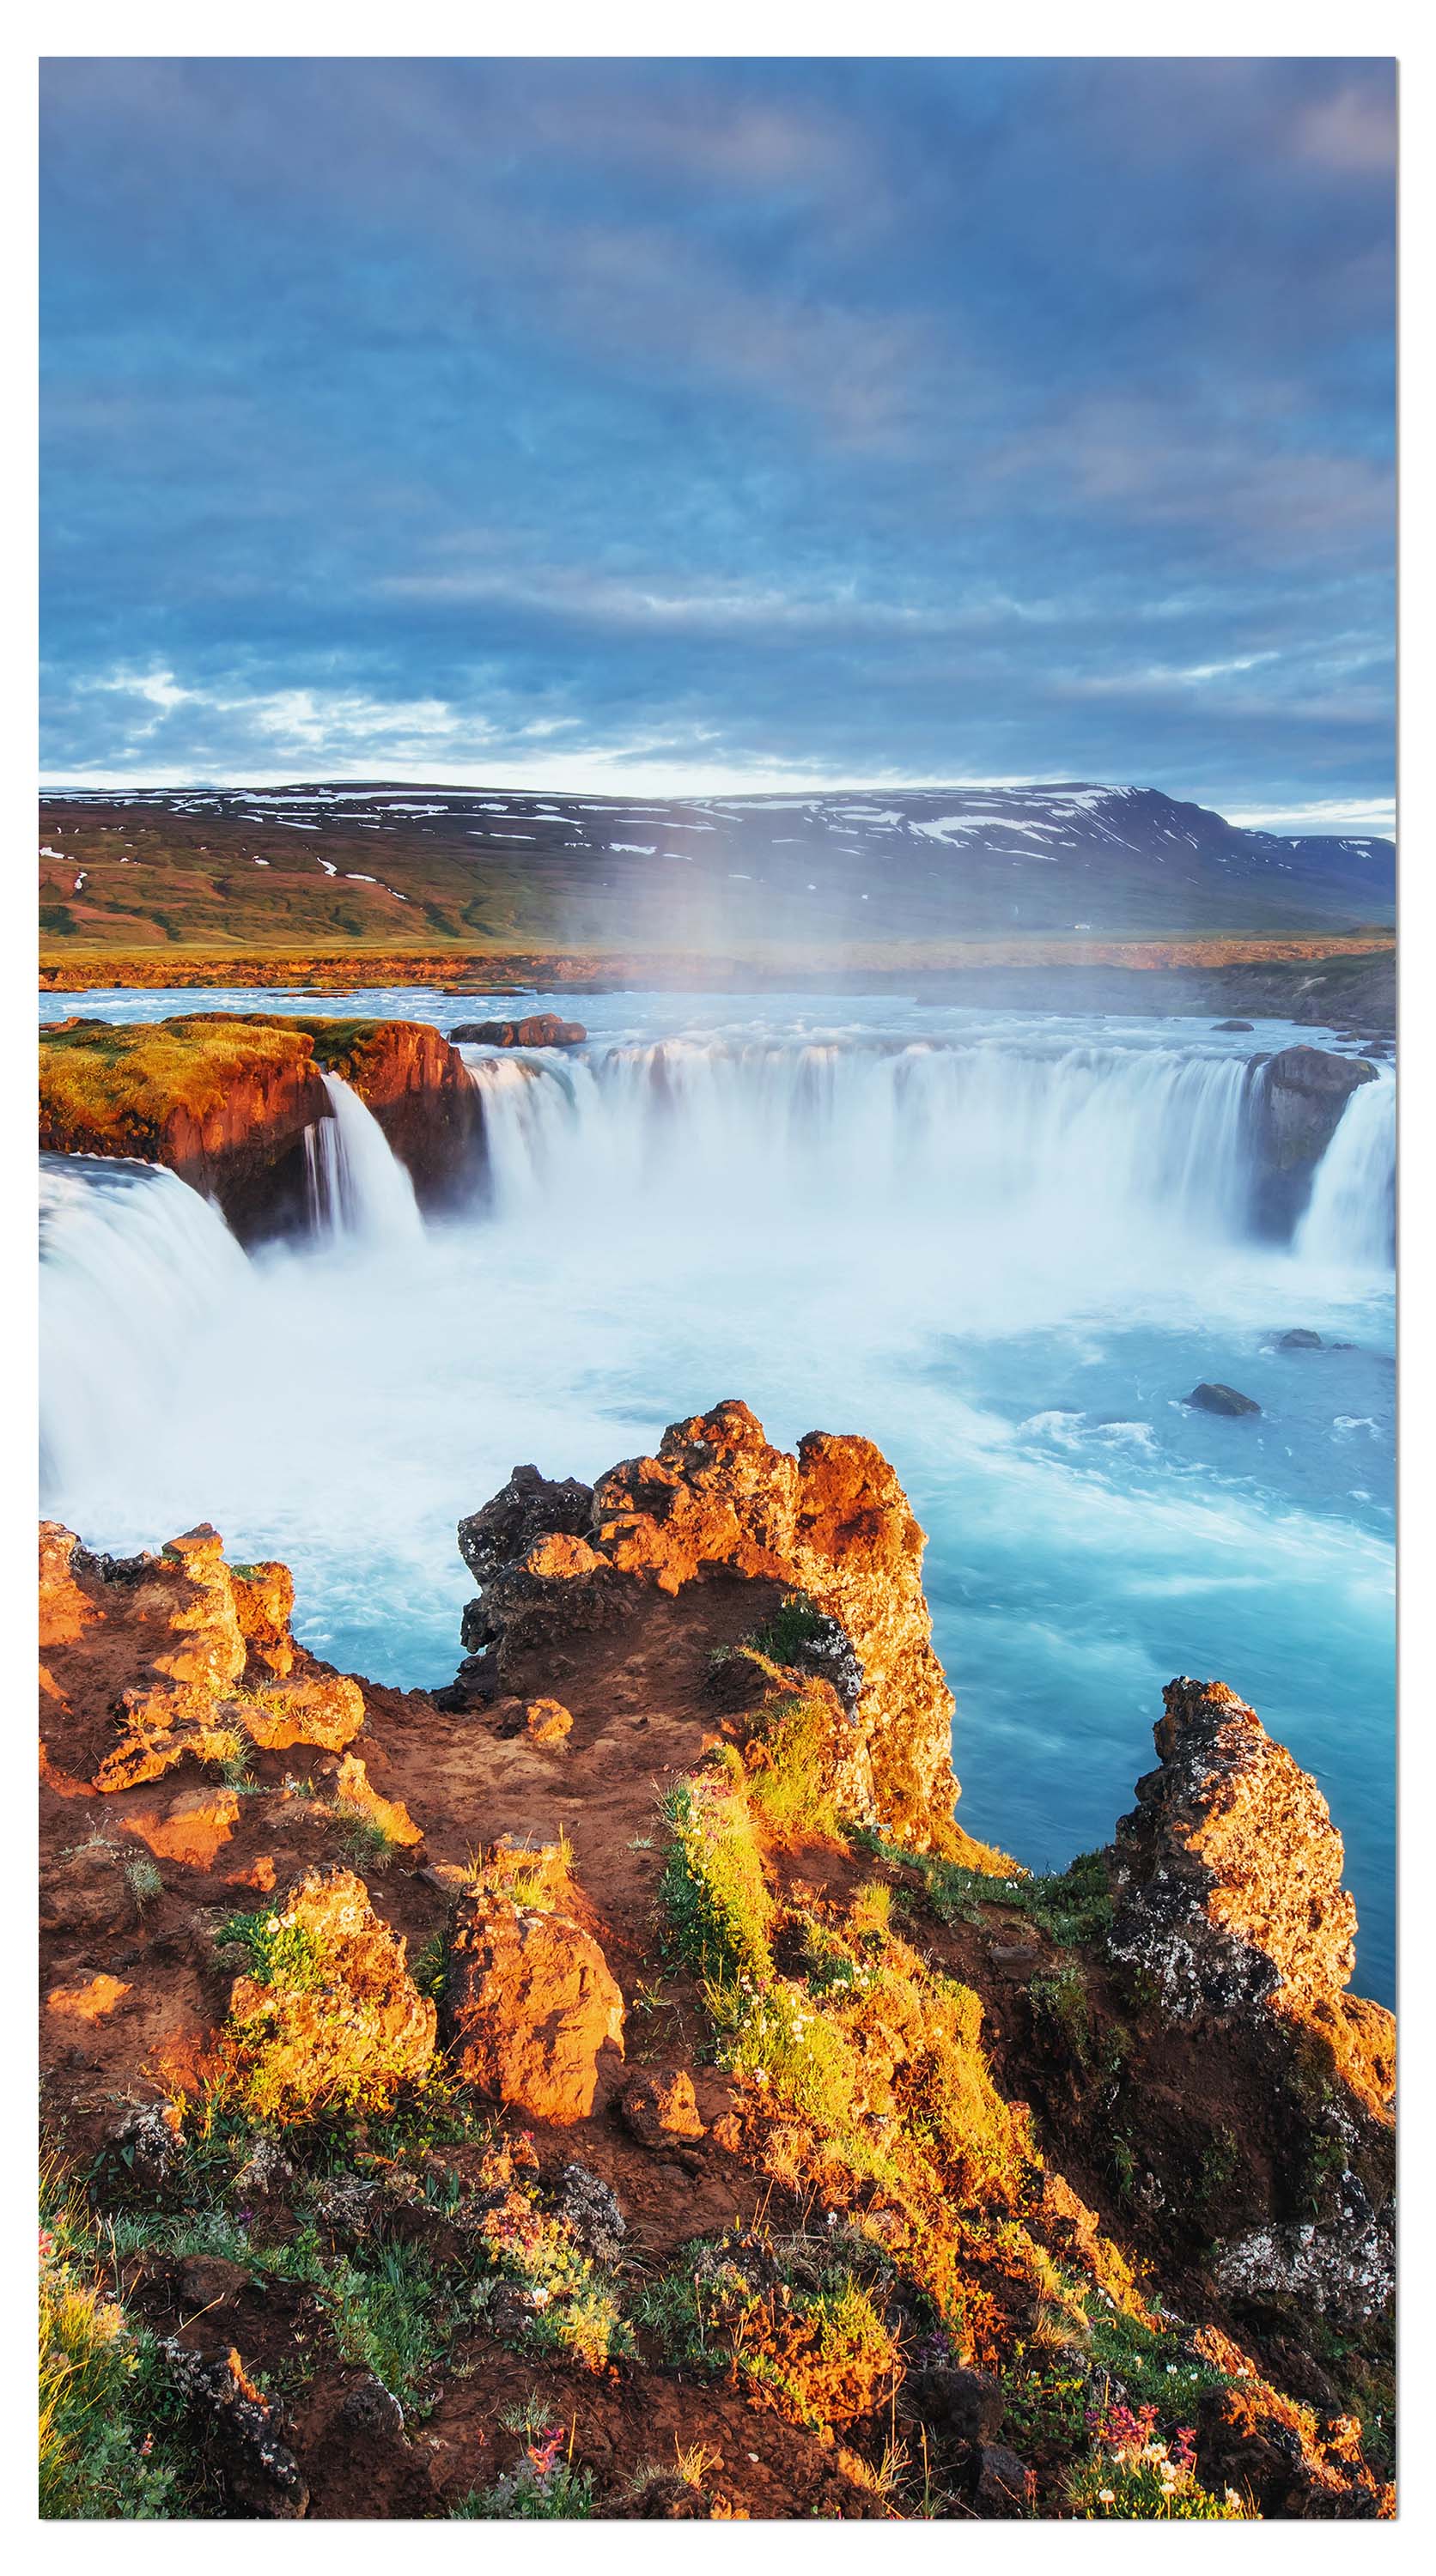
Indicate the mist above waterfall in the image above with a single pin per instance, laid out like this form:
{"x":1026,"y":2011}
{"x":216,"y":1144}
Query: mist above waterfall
{"x":1005,"y":1250}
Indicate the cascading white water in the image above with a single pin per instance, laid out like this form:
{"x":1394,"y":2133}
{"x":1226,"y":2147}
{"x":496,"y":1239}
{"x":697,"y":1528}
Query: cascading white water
{"x":359,"y":1191}
{"x":132,"y":1261}
{"x":1352,"y":1216}
{"x":1092,"y":1137}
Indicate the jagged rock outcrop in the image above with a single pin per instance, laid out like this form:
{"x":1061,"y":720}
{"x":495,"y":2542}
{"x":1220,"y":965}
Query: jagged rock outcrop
{"x":241,"y":2434}
{"x":1229,"y":1869}
{"x":210,"y":1647}
{"x":831,"y":1523}
{"x":856,"y":2168}
{"x":1296,"y":1105}
{"x":1257,"y":2443}
{"x":1231,"y":1911}
{"x":532,"y":2007}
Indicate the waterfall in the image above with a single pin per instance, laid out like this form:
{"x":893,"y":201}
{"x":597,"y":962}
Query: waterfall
{"x":132,"y":1262}
{"x":1086,"y":1135}
{"x":359,"y":1192}
{"x":1352,"y":1215}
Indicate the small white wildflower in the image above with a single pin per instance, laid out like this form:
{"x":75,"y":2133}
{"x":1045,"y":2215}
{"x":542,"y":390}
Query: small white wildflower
{"x":1107,"y":2495}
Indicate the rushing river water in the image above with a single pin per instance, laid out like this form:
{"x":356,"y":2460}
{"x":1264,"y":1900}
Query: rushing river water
{"x":1004,"y":1247}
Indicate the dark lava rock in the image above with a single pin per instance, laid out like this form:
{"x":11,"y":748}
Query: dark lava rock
{"x":592,"y":2212}
{"x":260,"y":2475}
{"x":963,"y":2406}
{"x":1005,"y":2489}
{"x":1215,"y":1398}
{"x":528,"y":1507}
{"x":1299,"y":1339}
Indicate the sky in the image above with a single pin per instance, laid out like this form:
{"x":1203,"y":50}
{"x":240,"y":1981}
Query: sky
{"x":693,"y":426}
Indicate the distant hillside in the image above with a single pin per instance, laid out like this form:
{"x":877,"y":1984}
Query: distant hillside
{"x":399,"y":867}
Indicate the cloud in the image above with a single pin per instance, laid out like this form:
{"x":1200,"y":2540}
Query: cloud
{"x":1353,"y":129}
{"x":802,"y":421}
{"x":1345,"y":817}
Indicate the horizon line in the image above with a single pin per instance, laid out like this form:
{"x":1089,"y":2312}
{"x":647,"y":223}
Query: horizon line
{"x":1339,"y":818}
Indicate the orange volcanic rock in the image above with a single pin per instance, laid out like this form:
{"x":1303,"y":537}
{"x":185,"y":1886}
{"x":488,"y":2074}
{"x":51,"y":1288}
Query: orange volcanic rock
{"x":192,"y":1829}
{"x":1174,"y":2110}
{"x":548,"y":1721}
{"x":532,"y":2007}
{"x":353,"y":1788}
{"x":65,"y":1610}
{"x":88,"y":2000}
{"x":832,"y":1523}
{"x":264,"y":1605}
{"x":659,"y":2103}
{"x":418,"y":1087}
{"x":157,"y":1660}
{"x":208,"y":1645}
{"x":1254,"y":2442}
{"x":1229,"y":1869}
{"x":326,"y":1709}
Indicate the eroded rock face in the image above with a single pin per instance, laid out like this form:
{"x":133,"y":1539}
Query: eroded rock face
{"x":213,"y":1651}
{"x":1260,"y":2445}
{"x":659,"y":2104}
{"x":1231,"y":1911}
{"x":1229,"y":1868}
{"x":1345,"y":2268}
{"x":224,"y":1102}
{"x":260,"y":2475}
{"x":1297,"y":1101}
{"x":532,"y":2008}
{"x":419,"y":1089}
{"x":228,"y":1100}
{"x":831,"y":1522}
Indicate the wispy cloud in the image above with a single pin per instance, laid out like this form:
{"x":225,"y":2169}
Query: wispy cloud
{"x":794,"y":421}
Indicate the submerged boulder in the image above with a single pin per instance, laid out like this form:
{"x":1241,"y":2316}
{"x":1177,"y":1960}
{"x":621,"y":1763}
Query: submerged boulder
{"x":1212,"y":1397}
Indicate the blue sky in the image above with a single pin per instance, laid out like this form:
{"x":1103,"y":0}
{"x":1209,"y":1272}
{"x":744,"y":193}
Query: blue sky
{"x":683,"y":425}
